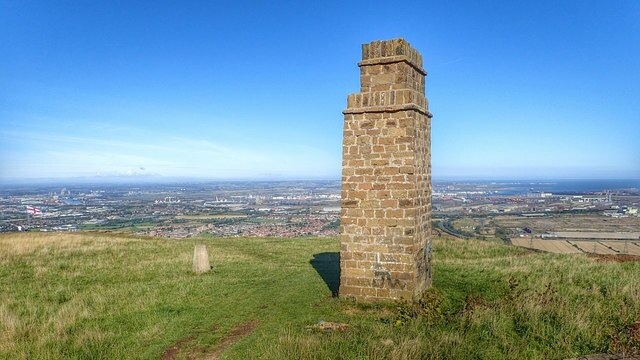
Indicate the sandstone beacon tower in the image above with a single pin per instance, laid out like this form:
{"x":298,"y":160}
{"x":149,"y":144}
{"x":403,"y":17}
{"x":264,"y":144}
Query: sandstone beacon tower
{"x":386,"y":178}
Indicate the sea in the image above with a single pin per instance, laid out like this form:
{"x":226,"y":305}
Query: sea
{"x":560,"y":187}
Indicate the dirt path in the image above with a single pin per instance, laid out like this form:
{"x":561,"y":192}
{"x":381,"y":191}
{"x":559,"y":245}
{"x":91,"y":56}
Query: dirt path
{"x":172,"y":352}
{"x":237,"y":334}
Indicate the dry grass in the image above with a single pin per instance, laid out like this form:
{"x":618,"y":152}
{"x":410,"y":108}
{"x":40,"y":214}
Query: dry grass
{"x":102,"y":296}
{"x":22,"y":244}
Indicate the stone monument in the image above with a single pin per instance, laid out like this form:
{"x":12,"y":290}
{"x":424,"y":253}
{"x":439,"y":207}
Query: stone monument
{"x":386,"y":178}
{"x":201,"y":259}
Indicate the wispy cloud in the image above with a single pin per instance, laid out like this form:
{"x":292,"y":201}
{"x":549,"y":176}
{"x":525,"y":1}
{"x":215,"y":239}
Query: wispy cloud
{"x":450,"y":62}
{"x":67,"y":154}
{"x":153,"y":143}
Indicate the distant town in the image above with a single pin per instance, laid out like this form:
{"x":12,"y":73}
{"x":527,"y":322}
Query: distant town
{"x":286,"y":209}
{"x":502,"y":211}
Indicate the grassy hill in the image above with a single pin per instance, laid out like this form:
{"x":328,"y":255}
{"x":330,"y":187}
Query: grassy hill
{"x":101,"y":296}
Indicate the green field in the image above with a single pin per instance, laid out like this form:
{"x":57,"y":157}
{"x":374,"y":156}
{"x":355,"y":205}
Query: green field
{"x":101,"y":296}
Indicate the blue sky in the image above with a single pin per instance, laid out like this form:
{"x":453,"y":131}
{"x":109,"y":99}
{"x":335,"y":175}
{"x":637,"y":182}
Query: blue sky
{"x":231,"y":90}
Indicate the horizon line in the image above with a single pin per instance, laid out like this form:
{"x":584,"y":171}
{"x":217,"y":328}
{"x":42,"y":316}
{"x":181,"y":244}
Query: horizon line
{"x":121,"y":180}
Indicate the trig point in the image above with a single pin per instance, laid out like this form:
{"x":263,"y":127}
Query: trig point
{"x":386,"y":178}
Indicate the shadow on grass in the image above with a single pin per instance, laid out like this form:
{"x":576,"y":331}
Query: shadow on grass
{"x":327,"y":264}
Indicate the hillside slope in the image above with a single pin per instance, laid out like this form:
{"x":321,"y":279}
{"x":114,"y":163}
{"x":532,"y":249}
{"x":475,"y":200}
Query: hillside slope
{"x":102,"y":296}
